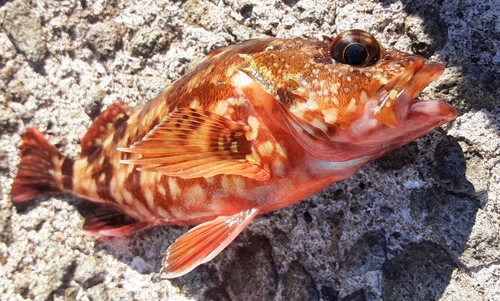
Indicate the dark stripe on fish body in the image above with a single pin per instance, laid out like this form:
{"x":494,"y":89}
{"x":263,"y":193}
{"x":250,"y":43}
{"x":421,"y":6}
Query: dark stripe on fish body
{"x":157,"y":121}
{"x":120,"y":121}
{"x":67,"y":172}
{"x":103,"y":188}
{"x":133,"y":185}
{"x":120,"y":132}
{"x":94,"y":154}
{"x":167,"y":201}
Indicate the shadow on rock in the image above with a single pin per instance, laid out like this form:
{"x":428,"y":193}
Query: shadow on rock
{"x":470,"y":82}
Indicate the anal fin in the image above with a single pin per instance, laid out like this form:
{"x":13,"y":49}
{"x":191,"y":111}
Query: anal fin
{"x":111,"y":222}
{"x":193,"y":143}
{"x":202,"y":243}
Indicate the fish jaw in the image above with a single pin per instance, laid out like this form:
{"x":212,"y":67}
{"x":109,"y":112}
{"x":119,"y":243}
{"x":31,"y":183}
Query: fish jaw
{"x":398,"y":117}
{"x":396,"y":97}
{"x":392,"y":116}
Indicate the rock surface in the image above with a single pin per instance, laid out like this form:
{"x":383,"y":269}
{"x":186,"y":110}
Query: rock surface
{"x":419,"y":224}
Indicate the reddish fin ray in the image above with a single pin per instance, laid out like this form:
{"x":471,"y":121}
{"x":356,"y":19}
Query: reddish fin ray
{"x":103,"y":125}
{"x":108,"y":221}
{"x":202,"y":243}
{"x":39,"y":172}
{"x":194,"y":143}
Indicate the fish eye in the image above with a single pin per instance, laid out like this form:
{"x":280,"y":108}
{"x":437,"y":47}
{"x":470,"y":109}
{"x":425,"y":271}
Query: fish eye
{"x":356,"y":48}
{"x":355,"y":54}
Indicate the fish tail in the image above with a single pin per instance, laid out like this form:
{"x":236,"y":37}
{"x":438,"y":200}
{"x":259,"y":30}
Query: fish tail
{"x":43,"y":169}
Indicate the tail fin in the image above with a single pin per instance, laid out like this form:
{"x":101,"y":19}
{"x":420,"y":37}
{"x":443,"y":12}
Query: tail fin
{"x":43,"y":169}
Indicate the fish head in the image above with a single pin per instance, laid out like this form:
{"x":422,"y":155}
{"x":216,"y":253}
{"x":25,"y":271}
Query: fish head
{"x":347,"y":97}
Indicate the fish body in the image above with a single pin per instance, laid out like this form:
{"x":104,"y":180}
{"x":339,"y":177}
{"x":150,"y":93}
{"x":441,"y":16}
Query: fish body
{"x":255,"y":127}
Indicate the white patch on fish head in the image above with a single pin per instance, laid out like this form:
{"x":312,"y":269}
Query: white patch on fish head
{"x":278,"y":167}
{"x":254,"y":124}
{"x":266,"y":149}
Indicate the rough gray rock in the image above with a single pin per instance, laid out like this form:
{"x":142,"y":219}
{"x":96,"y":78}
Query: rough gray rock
{"x":253,"y":261}
{"x":25,"y":31}
{"x":147,"y":42}
{"x":90,"y":273}
{"x":420,"y":272}
{"x":105,"y":38}
{"x":299,"y":284}
{"x":421,"y":223}
{"x":448,"y":168}
{"x":400,"y":157}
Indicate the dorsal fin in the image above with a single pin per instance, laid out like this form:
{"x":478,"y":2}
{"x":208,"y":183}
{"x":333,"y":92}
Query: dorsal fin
{"x":193,"y":143}
{"x":104,"y":125}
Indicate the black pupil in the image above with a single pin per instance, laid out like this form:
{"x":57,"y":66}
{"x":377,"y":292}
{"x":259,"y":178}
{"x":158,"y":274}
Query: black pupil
{"x":355,"y":54}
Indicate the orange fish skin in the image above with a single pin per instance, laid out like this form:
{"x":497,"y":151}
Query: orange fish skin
{"x":255,"y":127}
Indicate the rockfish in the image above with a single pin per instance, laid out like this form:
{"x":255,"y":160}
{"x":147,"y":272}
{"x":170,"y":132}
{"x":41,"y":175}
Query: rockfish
{"x":255,"y":127}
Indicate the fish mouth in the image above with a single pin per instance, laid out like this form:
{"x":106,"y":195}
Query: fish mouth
{"x":398,"y":101}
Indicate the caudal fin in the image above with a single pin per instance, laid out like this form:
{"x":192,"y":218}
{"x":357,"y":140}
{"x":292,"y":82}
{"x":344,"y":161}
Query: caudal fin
{"x":43,"y":169}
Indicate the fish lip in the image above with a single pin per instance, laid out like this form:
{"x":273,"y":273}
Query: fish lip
{"x":423,"y":76}
{"x":397,"y":97}
{"x":439,"y":111}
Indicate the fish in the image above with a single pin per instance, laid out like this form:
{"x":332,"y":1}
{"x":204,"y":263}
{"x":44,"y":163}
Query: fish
{"x":255,"y":127}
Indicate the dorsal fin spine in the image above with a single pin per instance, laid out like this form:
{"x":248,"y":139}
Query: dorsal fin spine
{"x":103,"y":126}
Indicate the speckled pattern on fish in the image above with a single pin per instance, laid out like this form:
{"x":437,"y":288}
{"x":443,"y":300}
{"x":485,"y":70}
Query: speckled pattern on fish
{"x":255,"y":127}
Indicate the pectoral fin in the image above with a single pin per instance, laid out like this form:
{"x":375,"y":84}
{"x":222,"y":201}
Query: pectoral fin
{"x":194,"y":143}
{"x":202,"y":243}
